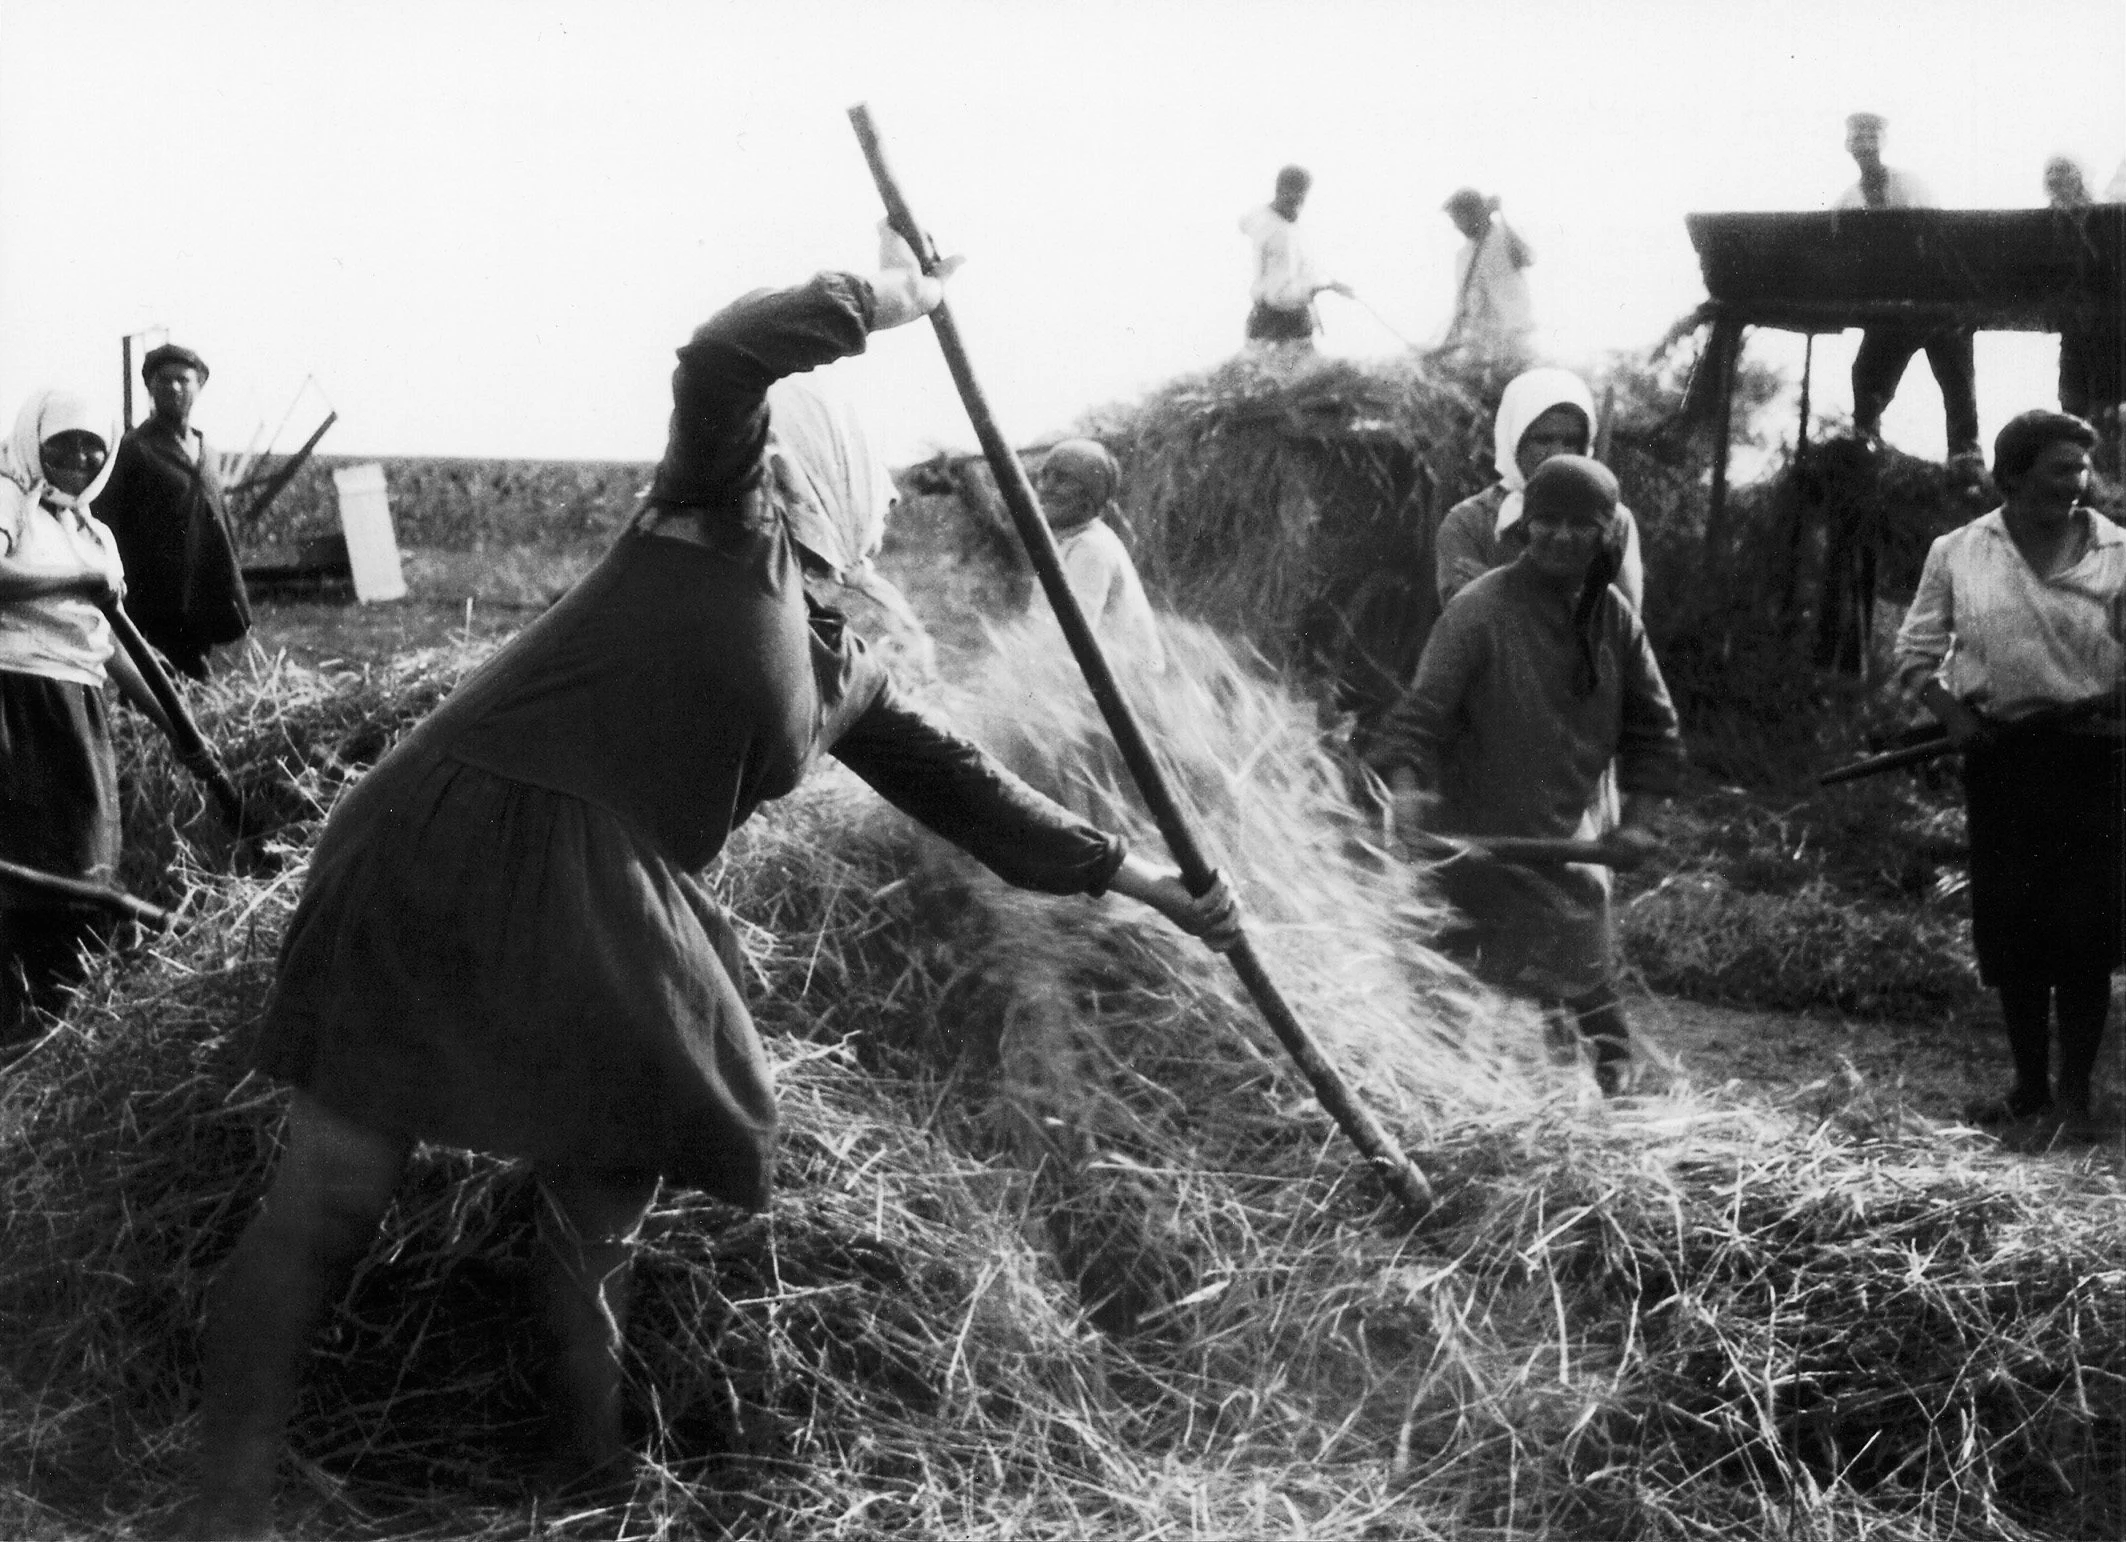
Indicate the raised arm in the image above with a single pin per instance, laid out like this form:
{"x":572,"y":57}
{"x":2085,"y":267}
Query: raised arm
{"x":719,"y":425}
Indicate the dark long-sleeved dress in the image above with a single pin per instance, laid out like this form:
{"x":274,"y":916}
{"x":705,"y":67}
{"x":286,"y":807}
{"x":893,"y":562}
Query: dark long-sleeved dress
{"x":1496,"y":725}
{"x":505,"y":944}
{"x":183,"y":584}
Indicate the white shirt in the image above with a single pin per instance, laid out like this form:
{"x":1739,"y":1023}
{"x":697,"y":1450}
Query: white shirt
{"x":1495,"y":313}
{"x":1999,"y":636}
{"x":1902,"y":191}
{"x":1111,"y":594}
{"x":60,"y":637}
{"x":1285,"y":275}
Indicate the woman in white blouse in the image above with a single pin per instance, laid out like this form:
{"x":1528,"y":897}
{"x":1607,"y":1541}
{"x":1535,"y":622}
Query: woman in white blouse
{"x":2014,"y":642}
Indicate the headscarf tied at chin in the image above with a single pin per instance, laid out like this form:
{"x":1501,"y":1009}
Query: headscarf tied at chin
{"x":44,"y":415}
{"x":1527,"y":397}
{"x":1088,"y":463}
{"x":832,"y":488}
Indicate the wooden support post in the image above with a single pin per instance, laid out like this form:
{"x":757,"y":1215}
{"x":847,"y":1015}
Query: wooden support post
{"x":1724,"y":354}
{"x":1808,"y":366}
{"x":125,"y":375}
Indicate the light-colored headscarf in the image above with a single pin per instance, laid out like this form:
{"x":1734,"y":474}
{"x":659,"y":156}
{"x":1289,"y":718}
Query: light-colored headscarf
{"x":833,"y":488}
{"x":45,"y":414}
{"x":1527,"y":397}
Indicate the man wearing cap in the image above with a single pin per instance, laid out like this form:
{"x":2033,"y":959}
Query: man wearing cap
{"x":164,"y":504}
{"x":1887,"y":347}
{"x":1492,"y":311}
{"x":1286,"y":280}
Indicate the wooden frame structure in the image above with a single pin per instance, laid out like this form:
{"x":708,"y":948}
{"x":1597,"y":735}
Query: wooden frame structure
{"x":1993,"y":270}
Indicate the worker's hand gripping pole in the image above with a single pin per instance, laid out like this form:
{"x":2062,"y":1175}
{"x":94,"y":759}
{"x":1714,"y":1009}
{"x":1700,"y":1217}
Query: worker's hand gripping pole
{"x":1396,"y":1170}
{"x":185,"y":738}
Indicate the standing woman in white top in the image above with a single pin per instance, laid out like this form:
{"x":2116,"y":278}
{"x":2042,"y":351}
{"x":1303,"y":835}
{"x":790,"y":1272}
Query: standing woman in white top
{"x":2014,"y":642}
{"x":58,"y":773}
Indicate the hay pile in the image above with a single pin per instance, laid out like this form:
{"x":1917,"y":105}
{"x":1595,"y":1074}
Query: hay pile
{"x":1283,"y":497}
{"x":1062,"y":1249}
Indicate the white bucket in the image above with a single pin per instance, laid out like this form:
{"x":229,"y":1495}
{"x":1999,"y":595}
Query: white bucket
{"x":365,"y":519}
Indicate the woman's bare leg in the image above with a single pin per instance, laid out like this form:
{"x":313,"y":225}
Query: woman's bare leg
{"x":333,"y":1186}
{"x":587,"y":1227}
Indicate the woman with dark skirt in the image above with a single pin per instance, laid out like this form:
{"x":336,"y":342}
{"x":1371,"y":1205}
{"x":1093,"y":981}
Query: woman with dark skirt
{"x":58,"y":773}
{"x":506,"y":944}
{"x":2014,"y":642}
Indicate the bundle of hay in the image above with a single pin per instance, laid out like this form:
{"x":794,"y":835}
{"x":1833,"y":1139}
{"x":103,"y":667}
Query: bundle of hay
{"x":1284,"y":497}
{"x":1061,"y":1248}
{"x":1289,"y":498}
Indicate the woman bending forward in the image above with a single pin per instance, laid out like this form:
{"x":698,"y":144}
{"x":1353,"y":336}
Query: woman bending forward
{"x":505,"y":945}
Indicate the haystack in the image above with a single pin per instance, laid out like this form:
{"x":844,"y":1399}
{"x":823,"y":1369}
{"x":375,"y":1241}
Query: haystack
{"x":1061,"y":1247}
{"x":1287,"y":498}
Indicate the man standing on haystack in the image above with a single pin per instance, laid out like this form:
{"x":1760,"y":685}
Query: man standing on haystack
{"x":1286,"y":280}
{"x":164,"y":505}
{"x":1887,"y":346}
{"x":1493,"y":313}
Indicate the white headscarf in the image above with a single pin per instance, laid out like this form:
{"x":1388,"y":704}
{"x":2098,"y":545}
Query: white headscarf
{"x":44,"y":415}
{"x":833,"y":488}
{"x":1527,"y":397}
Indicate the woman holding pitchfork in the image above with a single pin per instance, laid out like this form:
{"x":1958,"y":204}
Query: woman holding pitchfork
{"x":506,"y":942}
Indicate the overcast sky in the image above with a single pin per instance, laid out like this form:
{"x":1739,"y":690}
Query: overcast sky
{"x":483,"y":227}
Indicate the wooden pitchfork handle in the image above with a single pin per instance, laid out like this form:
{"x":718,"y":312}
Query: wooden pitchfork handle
{"x":190,"y":745}
{"x":1373,"y":1140}
{"x":80,"y":891}
{"x":1527,"y":851}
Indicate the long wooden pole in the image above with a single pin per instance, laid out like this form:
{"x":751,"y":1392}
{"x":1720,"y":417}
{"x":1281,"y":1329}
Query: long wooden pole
{"x":80,"y":891}
{"x":185,"y":737}
{"x":1725,"y":349}
{"x":1396,"y":1170}
{"x":1529,"y":851}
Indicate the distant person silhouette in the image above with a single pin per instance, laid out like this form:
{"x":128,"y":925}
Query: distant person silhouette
{"x":1886,"y":347}
{"x":1286,"y":279}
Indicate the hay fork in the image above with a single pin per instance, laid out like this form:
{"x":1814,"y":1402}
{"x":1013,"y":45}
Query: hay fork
{"x":1373,"y":1140}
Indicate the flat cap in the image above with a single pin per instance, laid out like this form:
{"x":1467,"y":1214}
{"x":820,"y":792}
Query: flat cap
{"x":171,"y":353}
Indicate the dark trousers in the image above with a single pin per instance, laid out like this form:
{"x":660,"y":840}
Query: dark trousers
{"x":1886,"y":349}
{"x":1268,"y":324}
{"x":2092,"y":368}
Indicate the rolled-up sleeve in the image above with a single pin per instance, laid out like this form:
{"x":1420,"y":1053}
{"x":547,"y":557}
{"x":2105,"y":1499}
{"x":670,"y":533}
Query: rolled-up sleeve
{"x":1929,"y":628}
{"x":955,"y":787}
